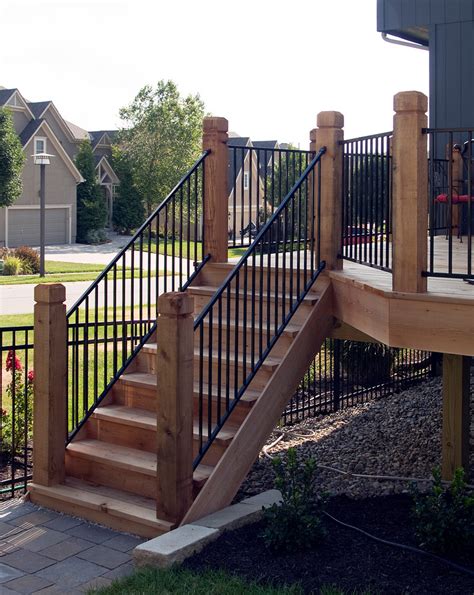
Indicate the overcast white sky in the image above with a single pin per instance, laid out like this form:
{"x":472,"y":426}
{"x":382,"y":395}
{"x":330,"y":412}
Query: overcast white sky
{"x":269,"y":66}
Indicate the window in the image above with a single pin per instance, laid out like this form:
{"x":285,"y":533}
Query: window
{"x":40,"y":145}
{"x":246,"y":181}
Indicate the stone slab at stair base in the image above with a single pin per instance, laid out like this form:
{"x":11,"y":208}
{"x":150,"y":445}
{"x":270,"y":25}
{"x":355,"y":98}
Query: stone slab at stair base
{"x":177,"y":545}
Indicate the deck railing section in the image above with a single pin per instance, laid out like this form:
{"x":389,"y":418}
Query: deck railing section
{"x":258,"y":180}
{"x":367,"y":200}
{"x":245,"y":317}
{"x":117,"y":314}
{"x":451,"y":196}
{"x":16,"y":408}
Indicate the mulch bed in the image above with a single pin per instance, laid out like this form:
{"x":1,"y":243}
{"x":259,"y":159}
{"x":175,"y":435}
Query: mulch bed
{"x":346,"y":559}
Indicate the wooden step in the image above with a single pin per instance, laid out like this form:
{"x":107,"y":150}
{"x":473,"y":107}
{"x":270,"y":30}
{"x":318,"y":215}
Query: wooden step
{"x":112,"y":508}
{"x":136,"y":428}
{"x":118,"y":467}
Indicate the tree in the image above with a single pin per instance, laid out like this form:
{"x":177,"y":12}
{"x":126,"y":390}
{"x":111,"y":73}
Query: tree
{"x":12,"y":159}
{"x":91,"y":209}
{"x":129,"y":211}
{"x":162,"y":138}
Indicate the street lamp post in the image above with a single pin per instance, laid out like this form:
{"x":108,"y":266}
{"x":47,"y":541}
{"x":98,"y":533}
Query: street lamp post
{"x":42,"y":159}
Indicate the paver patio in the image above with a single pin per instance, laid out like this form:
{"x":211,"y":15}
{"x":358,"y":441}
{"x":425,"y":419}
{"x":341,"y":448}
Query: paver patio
{"x":42,"y":551}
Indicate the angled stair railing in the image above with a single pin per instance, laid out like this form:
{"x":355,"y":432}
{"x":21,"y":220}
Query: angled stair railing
{"x":260,"y":295}
{"x":116,"y":315}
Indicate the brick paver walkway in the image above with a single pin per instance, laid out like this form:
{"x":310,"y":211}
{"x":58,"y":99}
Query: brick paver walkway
{"x":42,"y":551}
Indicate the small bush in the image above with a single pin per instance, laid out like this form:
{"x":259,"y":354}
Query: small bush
{"x":444,"y":517}
{"x":367,"y":363}
{"x":12,"y":265}
{"x":30,"y":260}
{"x":296,"y":524}
{"x":95,"y":236}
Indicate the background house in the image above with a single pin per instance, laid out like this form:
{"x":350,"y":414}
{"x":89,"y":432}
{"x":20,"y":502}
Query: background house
{"x":42,"y":129}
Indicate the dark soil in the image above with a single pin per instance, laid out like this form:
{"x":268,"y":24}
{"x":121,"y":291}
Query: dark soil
{"x":14,"y":467}
{"x":346,"y":559}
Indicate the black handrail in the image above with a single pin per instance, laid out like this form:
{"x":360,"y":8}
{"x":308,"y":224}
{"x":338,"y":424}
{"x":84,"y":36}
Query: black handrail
{"x":291,"y":238}
{"x":164,"y":254}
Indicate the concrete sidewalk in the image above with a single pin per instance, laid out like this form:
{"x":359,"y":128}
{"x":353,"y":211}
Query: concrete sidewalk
{"x":42,"y":551}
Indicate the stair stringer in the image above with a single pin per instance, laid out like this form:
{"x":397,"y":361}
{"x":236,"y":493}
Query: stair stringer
{"x":235,"y":463}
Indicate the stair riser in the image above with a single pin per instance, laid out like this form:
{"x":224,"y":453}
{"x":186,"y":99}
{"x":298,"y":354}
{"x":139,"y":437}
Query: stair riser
{"x":141,"y":439}
{"x":96,"y":516}
{"x":258,"y":383}
{"x":214,"y":276}
{"x":111,"y":475}
{"x":241,"y":335}
{"x":145,"y":398}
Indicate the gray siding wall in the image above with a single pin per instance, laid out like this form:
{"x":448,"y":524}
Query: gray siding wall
{"x":60,"y":188}
{"x":20,"y":119}
{"x":393,"y":15}
{"x":68,"y":146}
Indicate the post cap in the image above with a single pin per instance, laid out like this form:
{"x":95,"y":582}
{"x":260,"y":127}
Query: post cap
{"x":410,"y":101}
{"x":50,"y":293}
{"x":175,"y":303}
{"x":330,"y":120}
{"x":215,"y":124}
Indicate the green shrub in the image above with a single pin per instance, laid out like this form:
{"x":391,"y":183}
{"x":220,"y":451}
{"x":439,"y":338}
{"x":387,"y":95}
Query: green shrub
{"x":444,"y":517}
{"x":95,"y":236}
{"x":367,"y":363}
{"x":296,"y":524}
{"x":30,"y":260}
{"x":12,"y":265}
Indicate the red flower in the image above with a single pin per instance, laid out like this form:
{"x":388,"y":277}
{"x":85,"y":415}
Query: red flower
{"x":31,"y":376}
{"x":12,"y":360}
{"x":3,"y":412}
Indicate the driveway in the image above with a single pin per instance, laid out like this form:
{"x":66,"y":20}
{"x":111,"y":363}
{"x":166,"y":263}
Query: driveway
{"x":90,"y":254}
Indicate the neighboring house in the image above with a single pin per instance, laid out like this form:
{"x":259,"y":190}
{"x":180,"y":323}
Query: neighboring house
{"x":42,"y":129}
{"x":245,"y":175}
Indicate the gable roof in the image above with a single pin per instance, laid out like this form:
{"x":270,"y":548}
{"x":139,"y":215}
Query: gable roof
{"x":103,"y":160}
{"x":5,"y":95}
{"x":77,"y":132}
{"x":30,"y":129}
{"x":98,"y":135}
{"x":38,"y":107}
{"x":37,"y":125}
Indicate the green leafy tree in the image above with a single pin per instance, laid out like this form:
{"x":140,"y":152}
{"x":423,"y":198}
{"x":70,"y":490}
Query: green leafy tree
{"x":12,"y":159}
{"x":91,"y":209}
{"x":162,"y":138}
{"x":129,"y":211}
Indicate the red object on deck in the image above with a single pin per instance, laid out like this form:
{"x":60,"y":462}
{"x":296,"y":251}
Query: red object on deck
{"x":455,"y":199}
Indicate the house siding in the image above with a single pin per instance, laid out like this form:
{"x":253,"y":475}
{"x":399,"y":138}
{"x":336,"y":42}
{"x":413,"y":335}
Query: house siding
{"x":65,"y":141}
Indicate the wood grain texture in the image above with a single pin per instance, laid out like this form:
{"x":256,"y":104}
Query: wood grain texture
{"x":235,"y":463}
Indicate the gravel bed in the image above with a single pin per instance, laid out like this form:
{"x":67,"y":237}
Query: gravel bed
{"x":399,"y":435}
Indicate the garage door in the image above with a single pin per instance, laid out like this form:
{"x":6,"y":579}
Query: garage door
{"x":24,"y":227}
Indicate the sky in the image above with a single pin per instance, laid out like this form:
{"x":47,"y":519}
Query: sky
{"x":268,"y":66}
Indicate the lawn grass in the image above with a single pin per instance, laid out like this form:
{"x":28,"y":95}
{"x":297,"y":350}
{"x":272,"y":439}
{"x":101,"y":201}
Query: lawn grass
{"x":150,"y":581}
{"x":195,"y":249}
{"x":67,"y":272}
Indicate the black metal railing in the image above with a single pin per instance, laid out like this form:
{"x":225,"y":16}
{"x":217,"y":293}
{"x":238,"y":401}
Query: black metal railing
{"x":115,"y":317}
{"x":367,"y":201}
{"x":347,"y":373}
{"x":451,"y":196}
{"x":16,"y":408}
{"x":259,"y":297}
{"x":258,"y":180}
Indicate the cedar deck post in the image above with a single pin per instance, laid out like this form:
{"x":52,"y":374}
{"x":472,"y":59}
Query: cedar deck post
{"x":410,"y":192}
{"x":329,"y":134}
{"x":50,"y":395}
{"x":216,"y":197}
{"x":456,"y":422}
{"x":175,"y":406}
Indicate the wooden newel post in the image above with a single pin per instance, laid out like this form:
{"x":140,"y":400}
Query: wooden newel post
{"x":410,"y":192}
{"x":50,"y":365}
{"x":175,"y":406}
{"x":216,"y":196}
{"x":329,"y":134}
{"x":456,"y":183}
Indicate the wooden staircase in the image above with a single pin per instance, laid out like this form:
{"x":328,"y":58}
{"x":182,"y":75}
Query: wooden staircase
{"x":111,"y":465}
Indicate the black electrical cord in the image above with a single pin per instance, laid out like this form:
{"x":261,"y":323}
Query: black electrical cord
{"x":408,"y":548}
